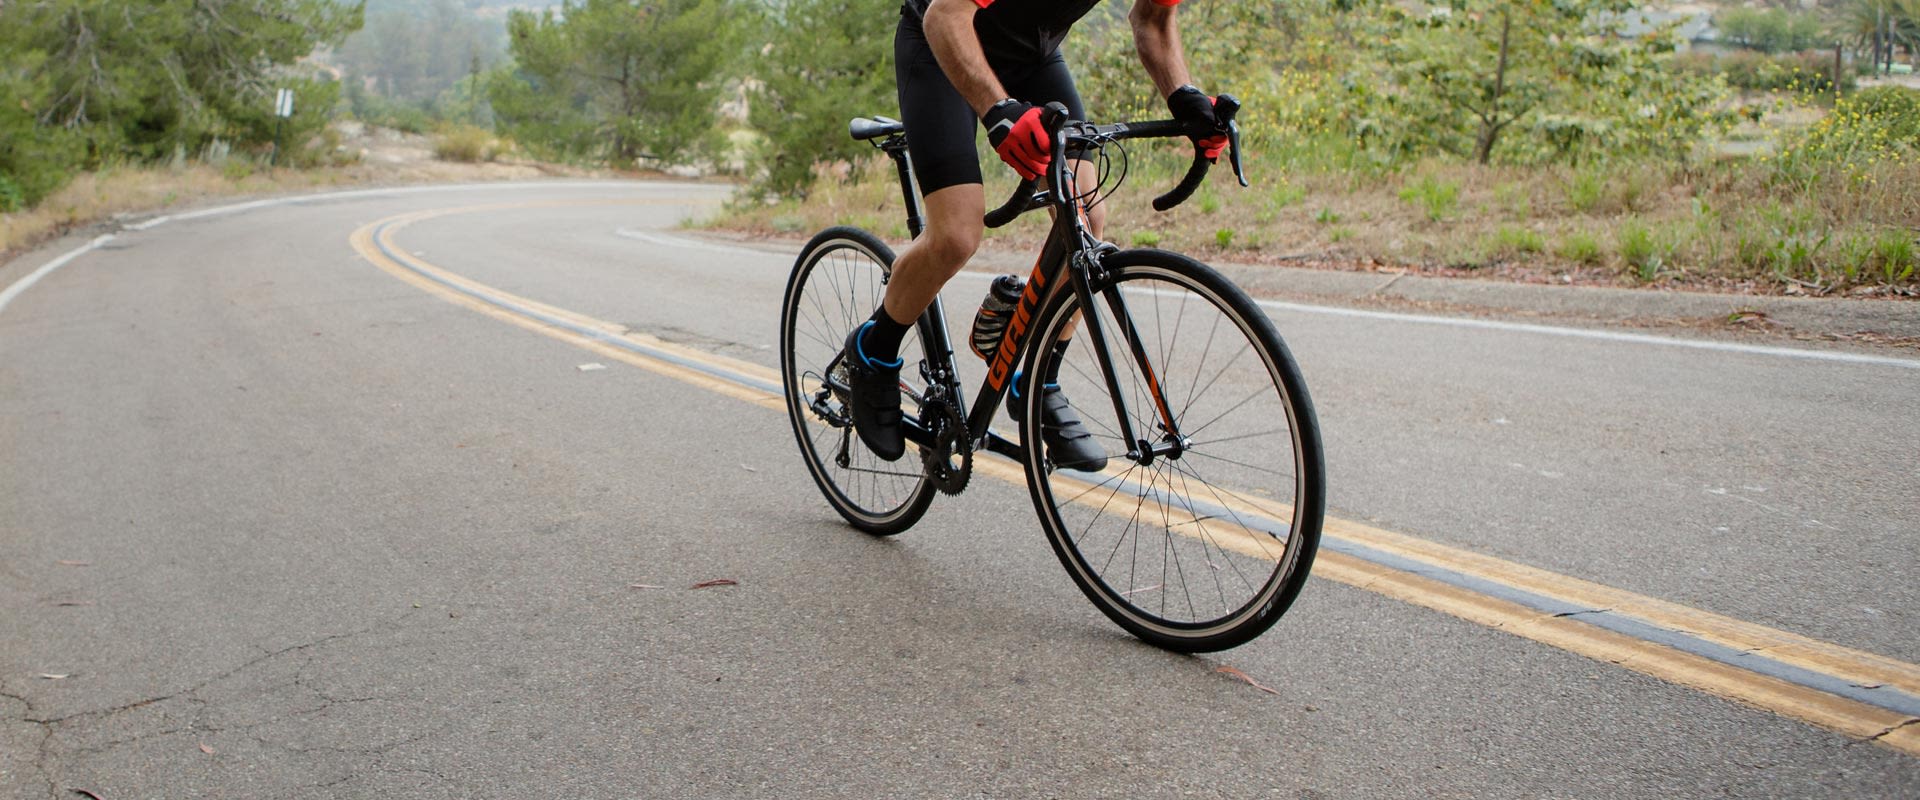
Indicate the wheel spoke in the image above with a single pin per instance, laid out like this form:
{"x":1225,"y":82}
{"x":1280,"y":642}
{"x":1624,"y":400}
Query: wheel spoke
{"x":1160,"y":545}
{"x":836,"y":285}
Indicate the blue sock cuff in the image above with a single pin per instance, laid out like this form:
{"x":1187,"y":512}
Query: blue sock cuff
{"x":860,"y":349}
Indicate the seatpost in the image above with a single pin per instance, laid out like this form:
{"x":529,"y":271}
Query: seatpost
{"x":903,"y":164}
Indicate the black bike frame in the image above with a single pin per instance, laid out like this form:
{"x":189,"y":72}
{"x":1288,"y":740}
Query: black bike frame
{"x":1070,"y":251}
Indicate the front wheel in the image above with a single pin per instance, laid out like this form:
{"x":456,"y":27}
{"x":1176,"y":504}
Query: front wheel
{"x":836,"y":284}
{"x":1200,"y":528}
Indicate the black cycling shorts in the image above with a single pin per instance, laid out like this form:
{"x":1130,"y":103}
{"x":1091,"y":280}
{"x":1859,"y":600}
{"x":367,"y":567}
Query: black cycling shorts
{"x":941,"y":127}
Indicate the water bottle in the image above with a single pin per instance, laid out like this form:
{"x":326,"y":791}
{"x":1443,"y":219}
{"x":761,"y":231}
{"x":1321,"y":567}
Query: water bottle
{"x":991,"y":322}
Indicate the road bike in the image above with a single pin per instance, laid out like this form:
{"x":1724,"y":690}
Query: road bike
{"x":1198,"y":531}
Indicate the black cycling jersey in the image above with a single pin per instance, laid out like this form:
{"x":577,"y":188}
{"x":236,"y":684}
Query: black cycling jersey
{"x":1020,"y":31}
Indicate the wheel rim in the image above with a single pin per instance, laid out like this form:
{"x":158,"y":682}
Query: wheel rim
{"x":838,"y":287}
{"x":1196,"y":542}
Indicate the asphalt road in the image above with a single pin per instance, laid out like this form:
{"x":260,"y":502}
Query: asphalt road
{"x":288,"y":526}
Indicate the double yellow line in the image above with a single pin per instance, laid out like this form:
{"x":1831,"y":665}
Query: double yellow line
{"x":1822,"y":683}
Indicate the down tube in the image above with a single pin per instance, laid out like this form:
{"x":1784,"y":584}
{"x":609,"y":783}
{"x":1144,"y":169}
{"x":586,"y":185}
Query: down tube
{"x":1047,"y":271}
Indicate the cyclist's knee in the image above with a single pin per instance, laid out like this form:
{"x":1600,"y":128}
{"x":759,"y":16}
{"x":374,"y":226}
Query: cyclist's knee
{"x":951,"y":246}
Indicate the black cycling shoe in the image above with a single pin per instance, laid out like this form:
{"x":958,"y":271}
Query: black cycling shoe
{"x":1069,"y":444}
{"x":874,"y":398}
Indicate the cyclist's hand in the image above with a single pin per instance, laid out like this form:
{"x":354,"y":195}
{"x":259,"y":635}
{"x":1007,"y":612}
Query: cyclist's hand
{"x":1194,"y":107}
{"x":1017,"y":134}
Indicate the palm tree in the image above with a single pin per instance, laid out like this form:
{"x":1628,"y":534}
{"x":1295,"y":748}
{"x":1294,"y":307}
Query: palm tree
{"x":1878,"y":26}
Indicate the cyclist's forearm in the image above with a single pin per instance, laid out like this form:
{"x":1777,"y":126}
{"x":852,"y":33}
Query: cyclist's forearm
{"x":949,"y":28}
{"x":1157,"y":38}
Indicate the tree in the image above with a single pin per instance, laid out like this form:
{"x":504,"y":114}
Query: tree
{"x":616,"y":80}
{"x":413,"y":53}
{"x":104,"y":80}
{"x":1771,"y":30}
{"x":1463,"y":77}
{"x":1877,"y":26}
{"x":824,"y":62}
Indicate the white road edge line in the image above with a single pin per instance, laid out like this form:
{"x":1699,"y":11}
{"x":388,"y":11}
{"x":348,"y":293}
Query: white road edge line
{"x":686,"y":244}
{"x":1455,"y":322}
{"x":46,"y":269}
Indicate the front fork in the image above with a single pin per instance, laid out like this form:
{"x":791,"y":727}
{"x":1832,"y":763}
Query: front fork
{"x":1171,"y":443}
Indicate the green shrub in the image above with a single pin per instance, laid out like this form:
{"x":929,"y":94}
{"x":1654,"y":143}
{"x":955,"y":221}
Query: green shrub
{"x":1515,"y":199}
{"x":35,"y":160}
{"x":1586,"y":189}
{"x":1326,"y":216}
{"x":1895,"y":107}
{"x":466,"y":144}
{"x":12,"y":197}
{"x":1284,"y":195}
{"x":1853,"y":254}
{"x":1771,"y":30}
{"x":1895,"y":250}
{"x":1515,"y":239}
{"x":1758,"y":72}
{"x":1146,"y":239}
{"x":1435,"y":197}
{"x":1876,"y":126}
{"x":1794,"y":255}
{"x":1638,"y":250}
{"x":1224,"y":237}
{"x":1580,"y":247}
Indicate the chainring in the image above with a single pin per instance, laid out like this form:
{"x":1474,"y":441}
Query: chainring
{"x":949,"y":443}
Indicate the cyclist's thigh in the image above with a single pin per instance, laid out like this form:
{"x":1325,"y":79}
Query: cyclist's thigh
{"x":1046,"y":82}
{"x":940,"y":124}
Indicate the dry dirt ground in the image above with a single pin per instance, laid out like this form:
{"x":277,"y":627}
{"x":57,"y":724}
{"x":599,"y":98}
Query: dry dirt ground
{"x":391,"y":156}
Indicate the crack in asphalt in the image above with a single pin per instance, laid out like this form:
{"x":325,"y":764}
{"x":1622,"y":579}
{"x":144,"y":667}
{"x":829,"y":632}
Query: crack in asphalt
{"x":45,"y":759}
{"x":194,"y":689}
{"x":1909,"y":723}
{"x":46,"y":741}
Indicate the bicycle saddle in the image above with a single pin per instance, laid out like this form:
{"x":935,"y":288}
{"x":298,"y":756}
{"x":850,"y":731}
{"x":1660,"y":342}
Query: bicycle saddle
{"x":863,"y":129}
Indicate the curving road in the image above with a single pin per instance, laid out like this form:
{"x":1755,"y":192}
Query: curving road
{"x":287,"y":512}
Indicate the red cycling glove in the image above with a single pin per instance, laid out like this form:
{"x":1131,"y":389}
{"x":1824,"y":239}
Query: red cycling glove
{"x":1017,"y":134}
{"x":1194,"y":107}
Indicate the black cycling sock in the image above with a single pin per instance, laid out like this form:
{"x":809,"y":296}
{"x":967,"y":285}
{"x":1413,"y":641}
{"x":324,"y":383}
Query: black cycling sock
{"x":1052,"y":374}
{"x":882,"y":339}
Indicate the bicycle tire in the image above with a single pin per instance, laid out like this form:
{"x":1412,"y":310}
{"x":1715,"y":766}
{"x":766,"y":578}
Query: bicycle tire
{"x":1245,"y":420}
{"x":836,"y":283}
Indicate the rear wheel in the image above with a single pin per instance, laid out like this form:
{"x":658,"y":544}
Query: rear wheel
{"x":1197,"y":541}
{"x":836,"y":284}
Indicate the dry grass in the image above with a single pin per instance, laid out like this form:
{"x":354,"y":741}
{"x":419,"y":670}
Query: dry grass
{"x":93,"y":197}
{"x":466,"y":144}
{"x":97,"y":197}
{"x":1733,"y":225}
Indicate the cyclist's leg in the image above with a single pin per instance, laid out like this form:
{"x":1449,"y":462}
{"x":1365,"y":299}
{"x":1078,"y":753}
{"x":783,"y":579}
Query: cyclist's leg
{"x":940,"y":137}
{"x":952,"y":234}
